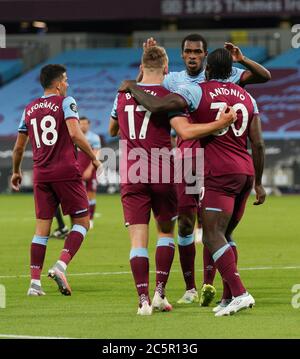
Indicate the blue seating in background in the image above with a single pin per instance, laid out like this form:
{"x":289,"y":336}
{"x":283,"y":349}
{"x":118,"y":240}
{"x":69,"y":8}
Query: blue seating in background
{"x":94,"y":76}
{"x":10,"y":69}
{"x":288,"y":60}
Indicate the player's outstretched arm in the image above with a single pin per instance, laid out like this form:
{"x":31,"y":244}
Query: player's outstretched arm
{"x":18,"y":153}
{"x":188,"y":131}
{"x":258,"y":155}
{"x":113,"y":127}
{"x":171,"y":102}
{"x":255,"y":72}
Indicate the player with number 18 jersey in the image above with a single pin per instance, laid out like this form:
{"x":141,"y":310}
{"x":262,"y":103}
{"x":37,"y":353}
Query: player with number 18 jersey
{"x":54,"y":156}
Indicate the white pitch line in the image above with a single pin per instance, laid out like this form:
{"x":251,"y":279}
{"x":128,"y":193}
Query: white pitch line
{"x":13,"y":336}
{"x":128,"y":272}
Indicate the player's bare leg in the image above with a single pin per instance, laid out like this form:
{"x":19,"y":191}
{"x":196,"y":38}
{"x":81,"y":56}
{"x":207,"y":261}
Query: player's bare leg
{"x":215,"y":223}
{"x":92,"y":206}
{"x":37,"y":256}
{"x":139,"y":262}
{"x":71,"y":246}
{"x":165,"y":250}
{"x":187,"y":254}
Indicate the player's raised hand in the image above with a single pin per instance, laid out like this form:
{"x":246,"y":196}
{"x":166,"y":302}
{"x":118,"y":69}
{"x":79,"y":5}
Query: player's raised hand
{"x":15,"y":181}
{"x":227,"y":116}
{"x":149,"y":42}
{"x":235,"y":51}
{"x":125,"y":85}
{"x":260,"y":195}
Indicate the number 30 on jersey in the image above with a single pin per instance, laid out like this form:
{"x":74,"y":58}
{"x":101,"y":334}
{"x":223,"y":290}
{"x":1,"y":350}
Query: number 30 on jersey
{"x":237,"y":107}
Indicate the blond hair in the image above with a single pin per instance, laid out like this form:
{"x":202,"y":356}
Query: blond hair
{"x":155,"y":57}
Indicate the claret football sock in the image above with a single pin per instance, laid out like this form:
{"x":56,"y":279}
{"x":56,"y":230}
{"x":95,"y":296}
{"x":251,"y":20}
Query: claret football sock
{"x":187,"y":254}
{"x":209,"y":267}
{"x":37,"y":256}
{"x":139,"y":262}
{"x":164,"y":256}
{"x":225,"y":262}
{"x":226,"y":289}
{"x":72,"y":243}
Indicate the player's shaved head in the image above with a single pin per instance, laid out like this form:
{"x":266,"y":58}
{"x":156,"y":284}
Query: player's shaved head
{"x":154,"y":57}
{"x":194,"y":38}
{"x":219,"y":64}
{"x":50,"y":73}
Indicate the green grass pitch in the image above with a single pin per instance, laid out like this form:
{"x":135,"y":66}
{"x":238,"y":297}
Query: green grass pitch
{"x":104,"y":301}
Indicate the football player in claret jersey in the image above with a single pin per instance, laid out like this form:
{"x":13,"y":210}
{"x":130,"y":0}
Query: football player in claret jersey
{"x":194,"y":53}
{"x":143,"y":133}
{"x":228,"y":169}
{"x":229,"y":173}
{"x":51,"y":123}
{"x":86,"y":166}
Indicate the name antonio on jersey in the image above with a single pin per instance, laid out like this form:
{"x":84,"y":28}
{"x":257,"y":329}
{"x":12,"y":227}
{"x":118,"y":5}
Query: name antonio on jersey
{"x":225,"y":91}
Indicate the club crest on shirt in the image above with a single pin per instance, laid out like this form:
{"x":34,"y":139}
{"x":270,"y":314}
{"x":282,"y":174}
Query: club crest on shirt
{"x":73,"y":107}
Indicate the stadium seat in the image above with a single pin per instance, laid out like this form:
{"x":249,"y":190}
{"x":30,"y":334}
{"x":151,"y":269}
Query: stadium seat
{"x":288,"y":60}
{"x":94,"y":77}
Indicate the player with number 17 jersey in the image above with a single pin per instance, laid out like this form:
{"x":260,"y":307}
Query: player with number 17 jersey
{"x":54,"y":154}
{"x":143,"y":133}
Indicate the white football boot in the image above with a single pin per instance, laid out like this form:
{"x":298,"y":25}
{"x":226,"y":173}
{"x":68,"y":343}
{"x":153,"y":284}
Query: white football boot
{"x":145,"y":309}
{"x":35,"y":290}
{"x":190,"y":296}
{"x":221,"y":305}
{"x":161,"y":304}
{"x":241,"y":302}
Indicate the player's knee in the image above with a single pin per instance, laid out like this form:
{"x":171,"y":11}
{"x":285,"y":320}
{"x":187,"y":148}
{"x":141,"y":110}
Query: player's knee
{"x":83,"y":221}
{"x":186,"y":225}
{"x":166,"y":228}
